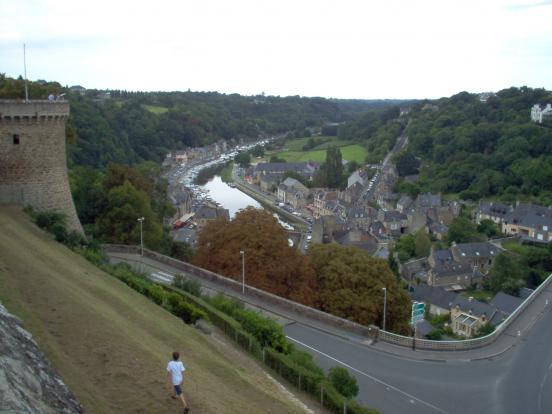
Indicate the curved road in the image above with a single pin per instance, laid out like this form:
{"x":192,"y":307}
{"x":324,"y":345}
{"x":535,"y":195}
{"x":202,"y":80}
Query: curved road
{"x":512,"y":375}
{"x":517,"y":381}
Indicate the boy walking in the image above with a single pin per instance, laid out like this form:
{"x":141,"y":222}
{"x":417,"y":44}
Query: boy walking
{"x":175,"y":377}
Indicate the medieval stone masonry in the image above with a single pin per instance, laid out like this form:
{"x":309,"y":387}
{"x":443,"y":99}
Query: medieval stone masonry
{"x":33,"y":170}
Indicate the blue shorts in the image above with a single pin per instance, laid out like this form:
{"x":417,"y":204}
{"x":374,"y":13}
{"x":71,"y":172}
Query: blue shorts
{"x":178,"y":389}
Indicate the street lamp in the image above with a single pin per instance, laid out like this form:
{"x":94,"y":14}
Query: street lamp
{"x":243,"y":270}
{"x":384,"y":305}
{"x":141,"y":220}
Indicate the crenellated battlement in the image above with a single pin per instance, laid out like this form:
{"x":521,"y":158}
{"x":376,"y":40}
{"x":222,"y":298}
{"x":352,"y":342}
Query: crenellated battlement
{"x":35,"y":110}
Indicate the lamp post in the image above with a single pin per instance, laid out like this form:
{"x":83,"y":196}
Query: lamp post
{"x":243,"y":270}
{"x":384,"y":306}
{"x":141,"y":220}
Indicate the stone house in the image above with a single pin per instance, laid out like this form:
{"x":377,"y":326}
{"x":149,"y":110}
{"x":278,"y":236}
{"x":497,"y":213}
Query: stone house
{"x":207,"y":213}
{"x":395,"y":222}
{"x":531,"y":222}
{"x":268,"y":183}
{"x":467,"y":314}
{"x":293,"y":192}
{"x":438,"y":230}
{"x":359,"y":176}
{"x":277,"y":169}
{"x":351,"y":194}
{"x":404,"y":203}
{"x":462,"y":265}
{"x":360,"y":217}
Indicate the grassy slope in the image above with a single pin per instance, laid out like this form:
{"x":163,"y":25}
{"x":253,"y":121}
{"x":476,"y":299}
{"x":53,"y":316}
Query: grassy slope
{"x":294,"y":150}
{"x":109,"y":343}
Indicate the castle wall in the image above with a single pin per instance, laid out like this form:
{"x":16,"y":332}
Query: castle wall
{"x":33,"y":168}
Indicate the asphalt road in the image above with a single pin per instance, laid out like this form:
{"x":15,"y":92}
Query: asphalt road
{"x":512,"y":375}
{"x":518,"y":381}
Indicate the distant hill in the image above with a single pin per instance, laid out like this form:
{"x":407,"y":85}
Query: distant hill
{"x":477,"y":149}
{"x":129,"y":127}
{"x":110,"y":344}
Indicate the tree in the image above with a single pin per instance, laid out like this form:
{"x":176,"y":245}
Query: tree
{"x":350,"y":285}
{"x":257,"y":151}
{"x":423,"y":243}
{"x":406,"y":163}
{"x":488,"y":228}
{"x":330,"y":173}
{"x":119,"y":225}
{"x":343,"y":382}
{"x":270,"y":264}
{"x":406,"y":247}
{"x":463,"y":230}
{"x":243,"y":159}
{"x":506,"y":275}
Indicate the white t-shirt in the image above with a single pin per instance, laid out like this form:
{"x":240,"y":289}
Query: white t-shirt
{"x":176,"y":368}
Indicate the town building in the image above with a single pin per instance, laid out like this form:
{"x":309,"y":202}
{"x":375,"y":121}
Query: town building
{"x":541,"y":115}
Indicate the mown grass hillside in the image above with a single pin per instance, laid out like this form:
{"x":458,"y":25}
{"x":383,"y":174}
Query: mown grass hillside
{"x":109,"y":343}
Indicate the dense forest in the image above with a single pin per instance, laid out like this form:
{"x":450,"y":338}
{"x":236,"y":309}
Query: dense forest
{"x":481,"y":149}
{"x":130,"y":127}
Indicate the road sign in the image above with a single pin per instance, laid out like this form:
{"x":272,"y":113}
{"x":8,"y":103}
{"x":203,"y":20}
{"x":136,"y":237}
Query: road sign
{"x":418,"y":311}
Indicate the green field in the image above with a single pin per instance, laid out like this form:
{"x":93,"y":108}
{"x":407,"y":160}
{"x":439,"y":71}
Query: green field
{"x":156,"y":109}
{"x":110,"y":344}
{"x":293,"y":150}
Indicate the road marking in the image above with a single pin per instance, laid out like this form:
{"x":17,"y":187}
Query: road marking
{"x":409,"y":396}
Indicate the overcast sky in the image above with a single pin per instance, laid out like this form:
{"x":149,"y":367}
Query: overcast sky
{"x":340,"y":48}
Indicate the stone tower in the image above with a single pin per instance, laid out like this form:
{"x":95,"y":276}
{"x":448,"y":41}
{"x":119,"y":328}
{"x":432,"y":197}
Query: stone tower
{"x":33,"y":170}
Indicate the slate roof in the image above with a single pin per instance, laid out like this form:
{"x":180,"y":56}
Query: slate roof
{"x":506,"y":303}
{"x":281,"y":167}
{"x":474,"y":250}
{"x":211,"y":213}
{"x":394,"y":215}
{"x":433,"y":295}
{"x":493,"y":209}
{"x":447,"y":300}
{"x":438,"y":228}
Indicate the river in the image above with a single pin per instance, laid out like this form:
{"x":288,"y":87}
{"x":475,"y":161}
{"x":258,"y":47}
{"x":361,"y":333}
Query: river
{"x":228,"y":197}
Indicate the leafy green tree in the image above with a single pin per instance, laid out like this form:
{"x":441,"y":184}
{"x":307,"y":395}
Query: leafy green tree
{"x":488,"y":228}
{"x":506,"y":275}
{"x":423,"y":243}
{"x":350,"y":285}
{"x":243,"y":159}
{"x":343,"y":382}
{"x":463,"y":230}
{"x":125,"y":204}
{"x":406,"y":247}
{"x":330,"y":173}
{"x":257,"y":151}
{"x":406,"y":163}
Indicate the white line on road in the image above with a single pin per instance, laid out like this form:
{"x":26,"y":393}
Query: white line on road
{"x":370,"y":376}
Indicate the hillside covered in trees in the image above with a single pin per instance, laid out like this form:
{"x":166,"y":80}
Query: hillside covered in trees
{"x":129,"y":127}
{"x":483,"y":149}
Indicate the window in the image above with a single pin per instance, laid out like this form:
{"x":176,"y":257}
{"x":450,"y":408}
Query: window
{"x":16,"y":139}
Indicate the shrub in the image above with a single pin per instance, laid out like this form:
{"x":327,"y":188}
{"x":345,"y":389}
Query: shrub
{"x":188,"y":285}
{"x":343,"y":382}
{"x":436,"y":335}
{"x":155,"y":293}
